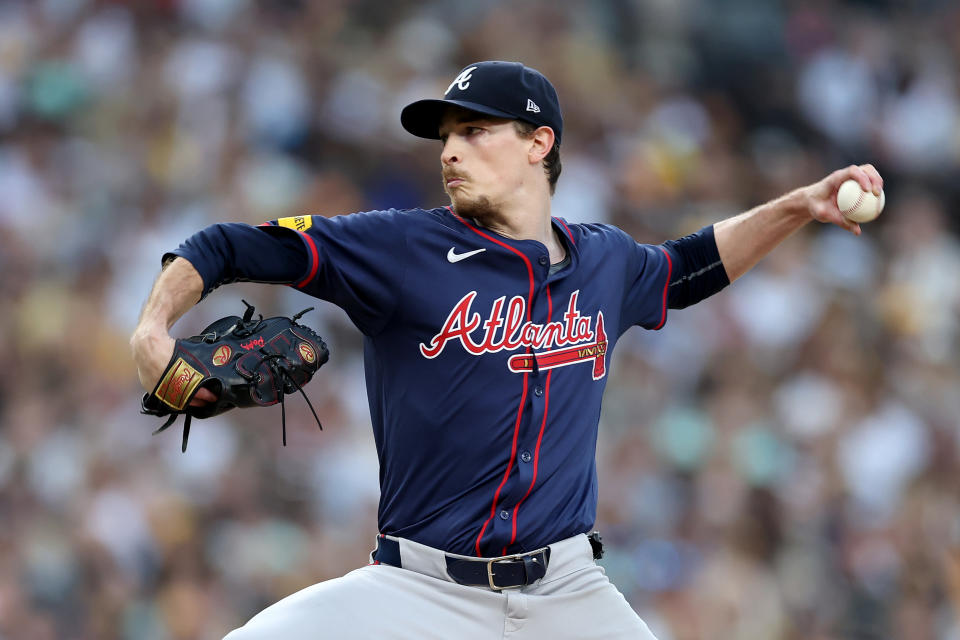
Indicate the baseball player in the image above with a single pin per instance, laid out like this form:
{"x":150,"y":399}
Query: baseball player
{"x":488,"y":330}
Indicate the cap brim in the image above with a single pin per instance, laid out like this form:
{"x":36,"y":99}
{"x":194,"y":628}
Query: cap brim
{"x":422,"y":118}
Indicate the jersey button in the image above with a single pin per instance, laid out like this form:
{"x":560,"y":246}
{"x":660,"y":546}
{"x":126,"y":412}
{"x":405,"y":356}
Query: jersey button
{"x":526,"y":457}
{"x":504,"y":515}
{"x":543,"y":260}
{"x":538,"y":391}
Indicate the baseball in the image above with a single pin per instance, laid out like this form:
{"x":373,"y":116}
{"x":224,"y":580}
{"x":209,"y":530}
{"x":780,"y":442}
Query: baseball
{"x":858,"y":205}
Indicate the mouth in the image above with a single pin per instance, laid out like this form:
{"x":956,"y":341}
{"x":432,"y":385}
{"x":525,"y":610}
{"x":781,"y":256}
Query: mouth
{"x":453,"y":181}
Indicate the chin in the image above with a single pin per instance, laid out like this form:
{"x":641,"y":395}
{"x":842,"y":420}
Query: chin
{"x":480,"y":209}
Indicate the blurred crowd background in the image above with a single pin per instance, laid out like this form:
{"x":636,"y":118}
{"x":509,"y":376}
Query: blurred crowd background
{"x":780,"y":462}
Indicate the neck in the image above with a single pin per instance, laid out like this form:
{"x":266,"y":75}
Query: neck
{"x":527,"y":221}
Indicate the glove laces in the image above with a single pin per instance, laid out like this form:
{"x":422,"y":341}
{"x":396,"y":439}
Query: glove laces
{"x":281,"y":373}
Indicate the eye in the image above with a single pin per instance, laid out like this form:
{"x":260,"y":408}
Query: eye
{"x":473,"y":130}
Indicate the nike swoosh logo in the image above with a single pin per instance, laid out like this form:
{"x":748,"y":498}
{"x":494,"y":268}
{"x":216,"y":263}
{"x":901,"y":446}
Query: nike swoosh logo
{"x":453,"y":256}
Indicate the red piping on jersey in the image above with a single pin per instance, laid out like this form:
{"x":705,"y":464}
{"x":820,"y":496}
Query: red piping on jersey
{"x":314,"y":261}
{"x":560,"y":220}
{"x":543,"y":425}
{"x":523,"y":396}
{"x":513,"y":456}
{"x":666,"y":286}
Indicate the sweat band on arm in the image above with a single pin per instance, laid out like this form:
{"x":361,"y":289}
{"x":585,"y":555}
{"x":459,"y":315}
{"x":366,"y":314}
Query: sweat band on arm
{"x":698,"y":272}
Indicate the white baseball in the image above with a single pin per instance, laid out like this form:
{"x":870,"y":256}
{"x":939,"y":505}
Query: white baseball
{"x":858,"y":205}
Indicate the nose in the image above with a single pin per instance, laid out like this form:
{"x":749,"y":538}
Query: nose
{"x":450,"y":153}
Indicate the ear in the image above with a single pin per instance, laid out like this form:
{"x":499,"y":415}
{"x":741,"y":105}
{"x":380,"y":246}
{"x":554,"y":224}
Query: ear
{"x":541,"y":142}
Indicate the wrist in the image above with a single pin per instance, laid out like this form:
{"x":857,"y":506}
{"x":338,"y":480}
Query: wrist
{"x":147,"y":335}
{"x":798,"y":205}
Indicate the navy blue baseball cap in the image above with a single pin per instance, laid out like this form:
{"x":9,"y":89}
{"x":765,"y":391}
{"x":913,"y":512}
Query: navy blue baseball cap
{"x":494,"y":88}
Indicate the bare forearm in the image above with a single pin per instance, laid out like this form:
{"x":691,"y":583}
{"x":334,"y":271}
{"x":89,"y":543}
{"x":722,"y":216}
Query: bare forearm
{"x":744,"y":240}
{"x":178,"y":288}
{"x":176,"y":291}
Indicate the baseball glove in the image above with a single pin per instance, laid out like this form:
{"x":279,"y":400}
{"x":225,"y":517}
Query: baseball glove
{"x":245,"y":362}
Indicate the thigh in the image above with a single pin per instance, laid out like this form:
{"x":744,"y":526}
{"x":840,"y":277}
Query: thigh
{"x":380,"y":602}
{"x":584,"y":605}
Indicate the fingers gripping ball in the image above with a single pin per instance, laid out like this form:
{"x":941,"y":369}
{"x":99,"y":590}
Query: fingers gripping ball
{"x":858,"y":205}
{"x":244,"y":361}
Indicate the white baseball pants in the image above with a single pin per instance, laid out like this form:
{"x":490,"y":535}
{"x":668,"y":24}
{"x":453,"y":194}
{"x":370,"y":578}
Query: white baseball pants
{"x":574,"y":601}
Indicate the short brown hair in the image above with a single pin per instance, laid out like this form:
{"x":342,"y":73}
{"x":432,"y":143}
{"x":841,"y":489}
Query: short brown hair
{"x":551,"y":162}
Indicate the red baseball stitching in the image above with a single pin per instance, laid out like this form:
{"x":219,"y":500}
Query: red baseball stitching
{"x":855,"y":204}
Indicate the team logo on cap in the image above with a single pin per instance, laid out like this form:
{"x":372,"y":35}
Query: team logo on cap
{"x":462,"y":81}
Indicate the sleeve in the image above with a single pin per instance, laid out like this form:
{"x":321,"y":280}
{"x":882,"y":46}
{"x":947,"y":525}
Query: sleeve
{"x":698,"y":272}
{"x":235,"y":252}
{"x":355,"y":261}
{"x":352,"y":260}
{"x":648,"y":273}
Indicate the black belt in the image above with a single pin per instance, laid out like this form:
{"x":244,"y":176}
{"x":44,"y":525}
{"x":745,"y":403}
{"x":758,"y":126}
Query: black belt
{"x":505,"y":572}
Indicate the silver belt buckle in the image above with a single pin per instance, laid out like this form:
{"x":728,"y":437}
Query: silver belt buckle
{"x":518,"y":556}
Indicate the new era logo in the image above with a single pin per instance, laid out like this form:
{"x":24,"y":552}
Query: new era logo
{"x":532,"y":106}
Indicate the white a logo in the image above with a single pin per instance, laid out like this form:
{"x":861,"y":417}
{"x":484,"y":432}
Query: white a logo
{"x":532,"y":106}
{"x":462,"y":81}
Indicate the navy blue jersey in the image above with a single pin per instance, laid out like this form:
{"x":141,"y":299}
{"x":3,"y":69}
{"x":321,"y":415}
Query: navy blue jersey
{"x":484,"y":371}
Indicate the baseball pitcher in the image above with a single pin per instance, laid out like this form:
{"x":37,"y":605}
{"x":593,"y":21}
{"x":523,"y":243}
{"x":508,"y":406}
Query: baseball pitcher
{"x":488,"y":329}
